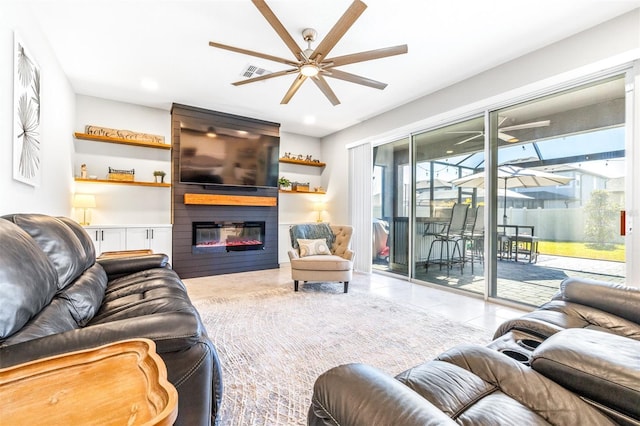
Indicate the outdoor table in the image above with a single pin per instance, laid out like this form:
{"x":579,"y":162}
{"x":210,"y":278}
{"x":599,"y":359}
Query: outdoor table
{"x":530,"y":239}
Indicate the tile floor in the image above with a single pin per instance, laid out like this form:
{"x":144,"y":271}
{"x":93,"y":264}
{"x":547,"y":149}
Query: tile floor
{"x":457,"y":307}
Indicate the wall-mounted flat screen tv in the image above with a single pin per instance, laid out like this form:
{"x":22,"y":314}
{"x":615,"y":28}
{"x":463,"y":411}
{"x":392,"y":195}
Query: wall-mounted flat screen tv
{"x":221,"y":156}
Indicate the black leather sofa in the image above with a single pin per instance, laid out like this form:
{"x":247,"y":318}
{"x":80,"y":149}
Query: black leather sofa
{"x":55,"y":297}
{"x":573,"y":361}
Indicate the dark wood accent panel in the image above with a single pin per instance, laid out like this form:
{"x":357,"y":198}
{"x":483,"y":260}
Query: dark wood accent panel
{"x":188,"y":264}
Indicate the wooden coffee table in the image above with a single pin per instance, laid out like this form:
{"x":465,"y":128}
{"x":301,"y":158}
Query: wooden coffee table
{"x":123,"y":383}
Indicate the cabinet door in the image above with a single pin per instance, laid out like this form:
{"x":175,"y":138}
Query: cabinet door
{"x":111,"y":239}
{"x":160,"y":241}
{"x":138,"y":238}
{"x":94,"y":233}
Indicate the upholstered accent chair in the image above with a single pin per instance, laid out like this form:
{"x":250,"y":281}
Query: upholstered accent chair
{"x":314,"y":260}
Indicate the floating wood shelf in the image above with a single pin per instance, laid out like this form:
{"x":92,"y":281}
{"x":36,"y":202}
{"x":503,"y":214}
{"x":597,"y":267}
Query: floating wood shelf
{"x":230,"y":200}
{"x":284,"y":191}
{"x":124,"y":182}
{"x":121,"y":141}
{"x":302,"y":162}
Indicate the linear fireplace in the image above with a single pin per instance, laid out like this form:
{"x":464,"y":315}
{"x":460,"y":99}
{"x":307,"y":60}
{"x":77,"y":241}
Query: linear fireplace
{"x":211,"y":237}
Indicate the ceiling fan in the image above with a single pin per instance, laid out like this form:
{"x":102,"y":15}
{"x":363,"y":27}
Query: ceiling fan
{"x":501,"y":131}
{"x":315,"y":64}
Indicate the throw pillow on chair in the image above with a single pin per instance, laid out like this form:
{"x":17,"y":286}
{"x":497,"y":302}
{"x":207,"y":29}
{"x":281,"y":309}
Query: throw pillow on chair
{"x":313,"y":247}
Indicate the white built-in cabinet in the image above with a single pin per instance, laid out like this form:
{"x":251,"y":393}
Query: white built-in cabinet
{"x":107,"y":238}
{"x":131,"y":237}
{"x":156,"y":238}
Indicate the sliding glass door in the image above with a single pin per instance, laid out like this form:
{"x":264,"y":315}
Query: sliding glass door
{"x":562,"y":160}
{"x":444,"y":253}
{"x":508,"y":203}
{"x":391,"y":206}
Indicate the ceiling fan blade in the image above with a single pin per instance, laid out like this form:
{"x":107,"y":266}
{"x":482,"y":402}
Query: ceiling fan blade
{"x":265,"y":77}
{"x":339,"y":29}
{"x":293,"y":89}
{"x":367,"y":56}
{"x":346,"y":76}
{"x":252,"y":53}
{"x":324,"y":87}
{"x":468,"y":139}
{"x":280,"y":29}
{"x":531,"y":125}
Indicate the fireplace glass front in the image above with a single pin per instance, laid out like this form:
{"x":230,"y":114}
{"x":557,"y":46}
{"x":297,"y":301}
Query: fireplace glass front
{"x":227,"y":236}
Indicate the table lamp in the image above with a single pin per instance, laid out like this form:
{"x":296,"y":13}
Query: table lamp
{"x":85,"y":202}
{"x":319,"y":207}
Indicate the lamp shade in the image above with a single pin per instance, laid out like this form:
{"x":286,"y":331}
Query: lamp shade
{"x":319,"y":206}
{"x":84,"y":201}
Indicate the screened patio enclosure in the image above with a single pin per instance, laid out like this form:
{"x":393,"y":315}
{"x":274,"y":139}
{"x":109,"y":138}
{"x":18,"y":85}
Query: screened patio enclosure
{"x":534,"y":235}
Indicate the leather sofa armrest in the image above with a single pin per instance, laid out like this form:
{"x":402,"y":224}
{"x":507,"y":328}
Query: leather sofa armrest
{"x":609,"y":297}
{"x":358,"y":394}
{"x":171,"y":332}
{"x":119,"y":266}
{"x":601,"y":366}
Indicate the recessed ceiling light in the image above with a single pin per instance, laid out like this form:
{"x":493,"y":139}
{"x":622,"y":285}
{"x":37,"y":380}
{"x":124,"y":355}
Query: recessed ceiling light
{"x":309,"y":119}
{"x":149,"y":84}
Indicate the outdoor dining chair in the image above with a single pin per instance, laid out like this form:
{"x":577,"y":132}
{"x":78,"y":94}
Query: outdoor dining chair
{"x":475,"y":235}
{"x":451,"y":241}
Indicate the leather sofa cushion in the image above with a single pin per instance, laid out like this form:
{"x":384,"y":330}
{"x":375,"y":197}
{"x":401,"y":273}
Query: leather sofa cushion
{"x":53,"y":319}
{"x":84,"y":238}
{"x":321,"y":263}
{"x":58,"y":242}
{"x":478,"y":385}
{"x":148,"y":292}
{"x":84,"y":296}
{"x":28,"y":280}
{"x":603,"y":367}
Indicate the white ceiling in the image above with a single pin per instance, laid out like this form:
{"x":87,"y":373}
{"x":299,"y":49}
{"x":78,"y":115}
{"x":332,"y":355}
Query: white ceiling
{"x":108,"y":47}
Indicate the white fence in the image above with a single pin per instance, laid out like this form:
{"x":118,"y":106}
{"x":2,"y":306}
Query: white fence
{"x":554,"y":224}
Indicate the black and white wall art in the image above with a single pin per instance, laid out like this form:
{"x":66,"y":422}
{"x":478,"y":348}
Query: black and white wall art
{"x":27,"y":166}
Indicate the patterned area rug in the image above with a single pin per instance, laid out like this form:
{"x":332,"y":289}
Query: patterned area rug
{"x":273,"y":343}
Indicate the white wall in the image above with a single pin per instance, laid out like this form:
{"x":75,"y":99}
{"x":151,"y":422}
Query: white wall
{"x":119,"y":203}
{"x":610,"y":44}
{"x":298,"y":208}
{"x":53,"y":195}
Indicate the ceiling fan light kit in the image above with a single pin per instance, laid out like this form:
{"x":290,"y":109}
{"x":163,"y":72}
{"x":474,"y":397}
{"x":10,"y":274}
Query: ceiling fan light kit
{"x":309,"y":70}
{"x":315,"y":63}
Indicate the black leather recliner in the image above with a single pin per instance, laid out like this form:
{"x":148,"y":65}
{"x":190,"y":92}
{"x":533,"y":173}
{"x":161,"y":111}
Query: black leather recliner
{"x":574,"y":361}
{"x":56,"y":298}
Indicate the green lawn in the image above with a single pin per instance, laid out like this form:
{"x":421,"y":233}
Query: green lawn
{"x":583,"y":250}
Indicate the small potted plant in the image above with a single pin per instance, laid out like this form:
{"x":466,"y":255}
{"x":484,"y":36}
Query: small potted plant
{"x":284,"y":183}
{"x":159,"y":174}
